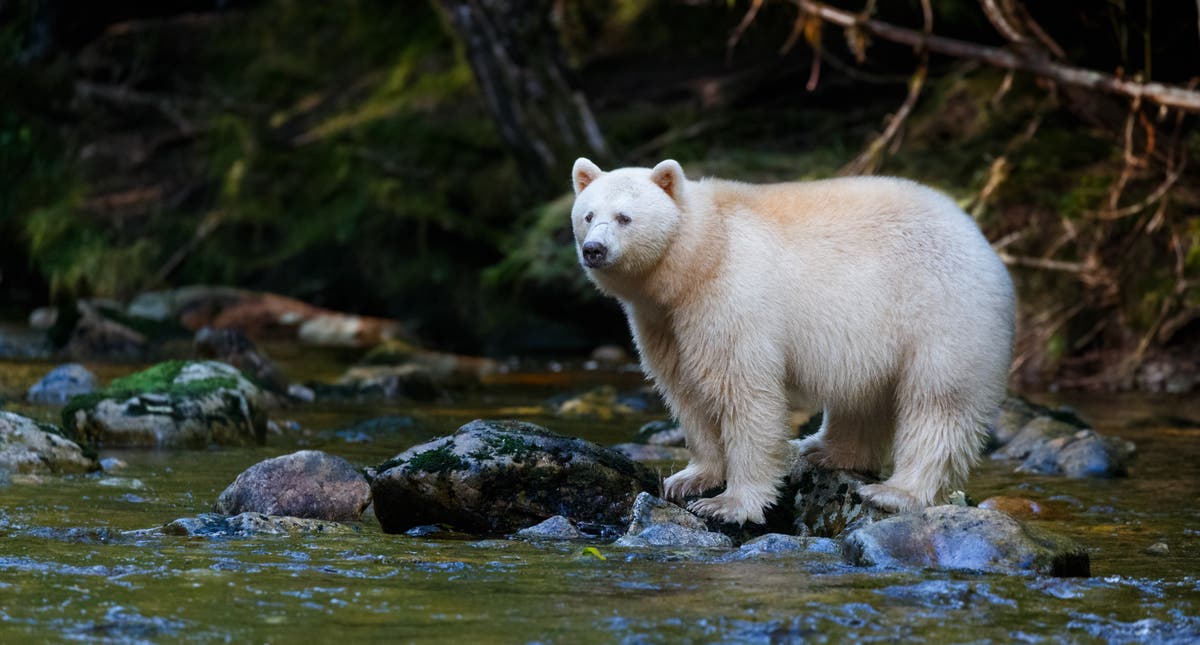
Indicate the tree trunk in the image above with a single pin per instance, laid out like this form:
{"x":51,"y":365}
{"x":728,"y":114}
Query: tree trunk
{"x":520,"y":67}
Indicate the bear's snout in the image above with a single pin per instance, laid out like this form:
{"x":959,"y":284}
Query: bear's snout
{"x":594,"y":254}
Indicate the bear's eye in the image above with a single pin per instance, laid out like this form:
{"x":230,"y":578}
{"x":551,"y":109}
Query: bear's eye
{"x":588,"y":218}
{"x":623,"y":219}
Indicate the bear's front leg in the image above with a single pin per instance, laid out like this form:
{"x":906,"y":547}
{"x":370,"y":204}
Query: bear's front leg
{"x":706,"y":467}
{"x":754,"y":432}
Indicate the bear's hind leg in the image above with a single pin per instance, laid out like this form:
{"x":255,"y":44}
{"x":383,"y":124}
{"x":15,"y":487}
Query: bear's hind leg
{"x":938,"y":439}
{"x":853,"y":438}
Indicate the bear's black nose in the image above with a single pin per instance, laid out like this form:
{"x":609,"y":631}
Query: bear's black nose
{"x":594,"y":254}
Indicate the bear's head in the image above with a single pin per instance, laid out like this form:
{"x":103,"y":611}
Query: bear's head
{"x":624,"y":220}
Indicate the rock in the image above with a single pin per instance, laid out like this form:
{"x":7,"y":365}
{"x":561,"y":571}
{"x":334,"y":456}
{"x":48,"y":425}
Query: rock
{"x":1016,"y":413}
{"x":173,"y":404}
{"x":392,"y":428}
{"x":62,"y":383}
{"x":1158,"y":548}
{"x":495,"y":477}
{"x":647,"y":452}
{"x":661,"y":433}
{"x":301,"y":393}
{"x":826,"y":502}
{"x":555,"y":528}
{"x":610,"y":355}
{"x":779,"y":544}
{"x":43,"y":318}
{"x":1051,"y":447}
{"x":309,"y":484}
{"x":29,"y":447}
{"x":109,"y":464}
{"x":962,"y":537}
{"x":657,"y":522}
{"x":1021,"y":508}
{"x":232,"y":347}
{"x":97,"y":335}
{"x":643,"y":400}
{"x":451,"y":370}
{"x":24,"y":344}
{"x":211,"y":525}
{"x":599,"y":404}
{"x":386,"y":382}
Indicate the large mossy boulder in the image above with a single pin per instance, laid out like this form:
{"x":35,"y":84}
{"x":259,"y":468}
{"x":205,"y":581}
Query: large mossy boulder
{"x":967,"y":538}
{"x":27,"y":446}
{"x":495,"y":477}
{"x":177,"y":404}
{"x":309,"y":483}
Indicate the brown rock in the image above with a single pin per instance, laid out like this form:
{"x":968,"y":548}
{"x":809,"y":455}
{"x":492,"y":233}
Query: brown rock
{"x":309,"y":484}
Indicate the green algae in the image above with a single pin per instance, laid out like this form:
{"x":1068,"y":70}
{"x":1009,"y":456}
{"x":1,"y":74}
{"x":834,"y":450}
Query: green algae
{"x":438,"y":460}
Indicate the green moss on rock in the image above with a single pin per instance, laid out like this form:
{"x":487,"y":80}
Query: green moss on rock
{"x":438,"y":460}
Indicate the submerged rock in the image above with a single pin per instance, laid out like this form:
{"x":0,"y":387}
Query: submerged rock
{"x":555,"y":528}
{"x":309,"y":484}
{"x":62,"y":383}
{"x":1020,"y":507}
{"x":444,"y":369}
{"x":657,"y":522}
{"x":29,"y":447}
{"x":963,"y":537}
{"x":173,"y":404}
{"x":495,"y":477}
{"x":211,"y":525}
{"x":600,"y":404}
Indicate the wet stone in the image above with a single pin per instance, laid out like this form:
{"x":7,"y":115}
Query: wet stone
{"x":309,"y":484}
{"x":233,"y":347}
{"x":825,"y":502}
{"x":599,"y":404}
{"x":555,"y":528}
{"x":28,"y":447}
{"x":413,"y":382}
{"x":1016,"y":413}
{"x":496,"y":477}
{"x":211,"y":525}
{"x":1050,"y":447}
{"x":62,"y":383}
{"x":957,"y":537}
{"x":774,"y":545}
{"x":657,"y":522}
{"x":190,"y":404}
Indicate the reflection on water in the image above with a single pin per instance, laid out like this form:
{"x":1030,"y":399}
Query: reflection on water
{"x":68,"y":570}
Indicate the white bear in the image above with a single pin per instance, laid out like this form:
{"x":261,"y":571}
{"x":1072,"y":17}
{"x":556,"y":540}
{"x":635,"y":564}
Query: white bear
{"x":877,"y":298}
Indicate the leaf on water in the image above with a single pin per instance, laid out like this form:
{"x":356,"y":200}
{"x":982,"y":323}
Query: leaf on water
{"x":592,"y":551}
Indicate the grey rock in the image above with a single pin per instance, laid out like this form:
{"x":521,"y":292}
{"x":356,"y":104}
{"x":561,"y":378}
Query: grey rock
{"x":29,"y":447}
{"x":599,"y":404}
{"x":62,"y":383}
{"x":968,"y":538}
{"x":189,"y":404}
{"x":1050,"y":447}
{"x":301,"y":393}
{"x":650,"y":452}
{"x":657,"y":522}
{"x":661,"y":433}
{"x":309,"y":484}
{"x":210,"y":525}
{"x":495,"y":477}
{"x":555,"y":528}
{"x":1036,"y":432}
{"x":24,"y":344}
{"x":778,"y":544}
{"x":1015,"y":413}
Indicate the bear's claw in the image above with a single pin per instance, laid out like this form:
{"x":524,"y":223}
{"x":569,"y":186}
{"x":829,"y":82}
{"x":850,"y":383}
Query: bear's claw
{"x":728,"y":509}
{"x":690,"y":481}
{"x":890,"y":498}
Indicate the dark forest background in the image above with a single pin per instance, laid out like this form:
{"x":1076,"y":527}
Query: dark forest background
{"x":411,"y":159}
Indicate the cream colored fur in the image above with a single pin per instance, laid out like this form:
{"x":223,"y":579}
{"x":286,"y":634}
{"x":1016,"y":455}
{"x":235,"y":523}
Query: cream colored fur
{"x":877,"y":298}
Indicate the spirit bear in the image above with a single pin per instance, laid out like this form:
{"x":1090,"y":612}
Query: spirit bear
{"x":877,"y":298}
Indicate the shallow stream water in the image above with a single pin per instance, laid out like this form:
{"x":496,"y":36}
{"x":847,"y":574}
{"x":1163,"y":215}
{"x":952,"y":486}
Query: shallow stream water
{"x":70,"y":572}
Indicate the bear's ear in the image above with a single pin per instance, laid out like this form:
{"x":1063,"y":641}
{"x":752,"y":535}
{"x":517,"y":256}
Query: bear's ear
{"x":584,"y":173}
{"x":669,"y":176}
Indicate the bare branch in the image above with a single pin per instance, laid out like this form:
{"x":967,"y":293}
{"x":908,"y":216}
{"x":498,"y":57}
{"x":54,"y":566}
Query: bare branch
{"x":1170,"y":96}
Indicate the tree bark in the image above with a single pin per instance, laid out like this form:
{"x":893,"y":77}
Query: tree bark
{"x":520,"y":67}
